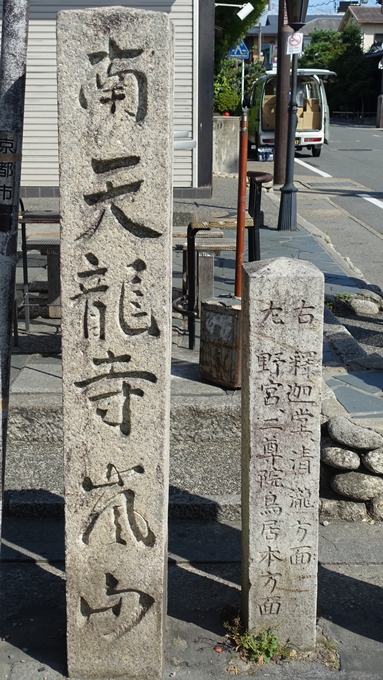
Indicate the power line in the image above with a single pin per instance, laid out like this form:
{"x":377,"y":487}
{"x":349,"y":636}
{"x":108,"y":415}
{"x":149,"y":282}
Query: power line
{"x":331,"y":2}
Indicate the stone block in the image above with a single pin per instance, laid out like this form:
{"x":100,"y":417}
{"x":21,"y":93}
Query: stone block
{"x":220,"y":350}
{"x":225,"y":144}
{"x":342,"y":511}
{"x":375,"y":508}
{"x":357,"y":485}
{"x":115,"y":84}
{"x":347,"y":433}
{"x":282,"y":308}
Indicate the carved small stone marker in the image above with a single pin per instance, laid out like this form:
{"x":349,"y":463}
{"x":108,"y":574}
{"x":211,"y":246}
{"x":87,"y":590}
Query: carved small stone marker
{"x":282,"y":307}
{"x":115,"y":130}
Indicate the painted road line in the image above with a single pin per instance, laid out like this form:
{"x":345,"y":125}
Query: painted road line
{"x":375,"y":201}
{"x":310,"y":167}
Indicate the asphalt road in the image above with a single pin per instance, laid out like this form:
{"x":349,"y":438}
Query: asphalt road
{"x":349,"y":174}
{"x":354,"y":153}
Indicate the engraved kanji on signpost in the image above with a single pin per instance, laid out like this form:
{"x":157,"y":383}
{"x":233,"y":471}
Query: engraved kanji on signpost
{"x":115,"y":133}
{"x":282,"y":307}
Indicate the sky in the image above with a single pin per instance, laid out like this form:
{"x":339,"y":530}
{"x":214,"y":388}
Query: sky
{"x":317,"y":7}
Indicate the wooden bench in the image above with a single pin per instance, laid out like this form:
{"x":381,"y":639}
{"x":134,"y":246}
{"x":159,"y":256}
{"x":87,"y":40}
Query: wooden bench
{"x":206,"y":244}
{"x":228,"y":223}
{"x":47,"y":241}
{"x":181,"y":233}
{"x":206,"y":249}
{"x":49,"y":245}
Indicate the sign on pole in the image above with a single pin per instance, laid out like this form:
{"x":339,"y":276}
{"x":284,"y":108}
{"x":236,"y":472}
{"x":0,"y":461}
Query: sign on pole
{"x":239,"y":51}
{"x":12,"y":92}
{"x":295,"y":44}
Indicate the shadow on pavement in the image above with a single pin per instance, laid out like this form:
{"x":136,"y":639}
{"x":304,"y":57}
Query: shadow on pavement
{"x":32,"y":612}
{"x":351,"y":603}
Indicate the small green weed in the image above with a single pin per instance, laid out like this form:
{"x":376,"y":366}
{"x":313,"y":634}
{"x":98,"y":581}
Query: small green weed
{"x":327,"y":652}
{"x":264,"y":644}
{"x":344,"y":296}
{"x":329,"y":303}
{"x":260,"y":647}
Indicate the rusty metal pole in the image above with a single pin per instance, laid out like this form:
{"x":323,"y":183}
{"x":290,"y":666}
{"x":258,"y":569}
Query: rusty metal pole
{"x":14,"y":41}
{"x":282,"y":100}
{"x":241,"y":206}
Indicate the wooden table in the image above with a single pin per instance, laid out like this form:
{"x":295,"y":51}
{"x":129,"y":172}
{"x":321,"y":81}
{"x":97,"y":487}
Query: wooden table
{"x":47,"y":241}
{"x":206,"y":249}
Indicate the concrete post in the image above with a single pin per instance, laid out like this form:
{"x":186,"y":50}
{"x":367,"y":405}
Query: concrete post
{"x":282,"y":311}
{"x":115,"y":68}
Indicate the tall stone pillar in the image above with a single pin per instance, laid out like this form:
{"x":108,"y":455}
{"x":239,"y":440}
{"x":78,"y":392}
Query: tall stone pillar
{"x":115,"y":81}
{"x":282,"y":308}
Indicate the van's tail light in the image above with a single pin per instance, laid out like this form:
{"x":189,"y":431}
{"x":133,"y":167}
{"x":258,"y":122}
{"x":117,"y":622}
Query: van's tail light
{"x":312,"y":139}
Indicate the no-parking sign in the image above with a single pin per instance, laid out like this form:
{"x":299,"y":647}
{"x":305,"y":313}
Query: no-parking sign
{"x":295,"y":43}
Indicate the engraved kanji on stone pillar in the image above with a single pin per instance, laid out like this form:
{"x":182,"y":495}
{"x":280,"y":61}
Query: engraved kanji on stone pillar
{"x":282,"y":312}
{"x":115,"y":86}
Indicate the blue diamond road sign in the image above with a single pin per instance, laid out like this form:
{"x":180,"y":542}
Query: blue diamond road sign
{"x":239,"y":51}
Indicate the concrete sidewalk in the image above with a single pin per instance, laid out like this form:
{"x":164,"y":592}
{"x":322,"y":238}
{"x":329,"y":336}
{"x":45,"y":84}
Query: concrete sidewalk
{"x":203,"y":592}
{"x":204,"y":556}
{"x":205,"y":418}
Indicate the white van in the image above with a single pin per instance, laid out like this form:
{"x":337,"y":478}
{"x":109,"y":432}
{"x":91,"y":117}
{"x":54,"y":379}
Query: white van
{"x":313,"y":113}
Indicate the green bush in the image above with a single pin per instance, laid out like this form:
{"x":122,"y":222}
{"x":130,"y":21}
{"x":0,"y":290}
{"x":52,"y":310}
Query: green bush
{"x":226,"y":100}
{"x":227,"y":88}
{"x":227,"y":85}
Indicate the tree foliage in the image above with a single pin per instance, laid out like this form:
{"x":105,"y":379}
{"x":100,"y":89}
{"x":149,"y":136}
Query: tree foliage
{"x":325,"y":46}
{"x":227,"y":73}
{"x":227,"y":85}
{"x":230,"y":28}
{"x":341,"y":52}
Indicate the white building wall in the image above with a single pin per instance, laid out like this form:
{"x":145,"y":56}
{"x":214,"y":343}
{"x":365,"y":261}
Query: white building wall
{"x":368,"y":32}
{"x":40,"y":147}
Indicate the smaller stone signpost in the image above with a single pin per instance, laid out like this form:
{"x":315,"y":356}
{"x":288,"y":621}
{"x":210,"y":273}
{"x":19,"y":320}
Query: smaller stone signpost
{"x":282,"y":307}
{"x":115,"y":76}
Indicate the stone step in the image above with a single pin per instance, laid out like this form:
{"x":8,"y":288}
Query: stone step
{"x":204,"y":456}
{"x":193,"y":418}
{"x":205,"y":460}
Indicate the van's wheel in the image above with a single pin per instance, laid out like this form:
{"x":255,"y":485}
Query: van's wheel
{"x":316,"y":151}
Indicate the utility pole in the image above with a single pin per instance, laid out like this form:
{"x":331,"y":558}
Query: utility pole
{"x":259,"y":41}
{"x":14,"y":41}
{"x":282,"y":100}
{"x":241,"y":205}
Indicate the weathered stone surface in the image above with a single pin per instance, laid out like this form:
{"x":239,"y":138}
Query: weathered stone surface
{"x":347,"y":433}
{"x":349,"y":349}
{"x":220,"y":350}
{"x":364,"y":307}
{"x":372,"y":293}
{"x":357,"y":485}
{"x":343,"y":511}
{"x":39,"y":422}
{"x":116,"y":147}
{"x":282,"y":330}
{"x":373,"y":460}
{"x":340,"y":458}
{"x":204,"y":420}
{"x":330,"y":406}
{"x":375,"y":508}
